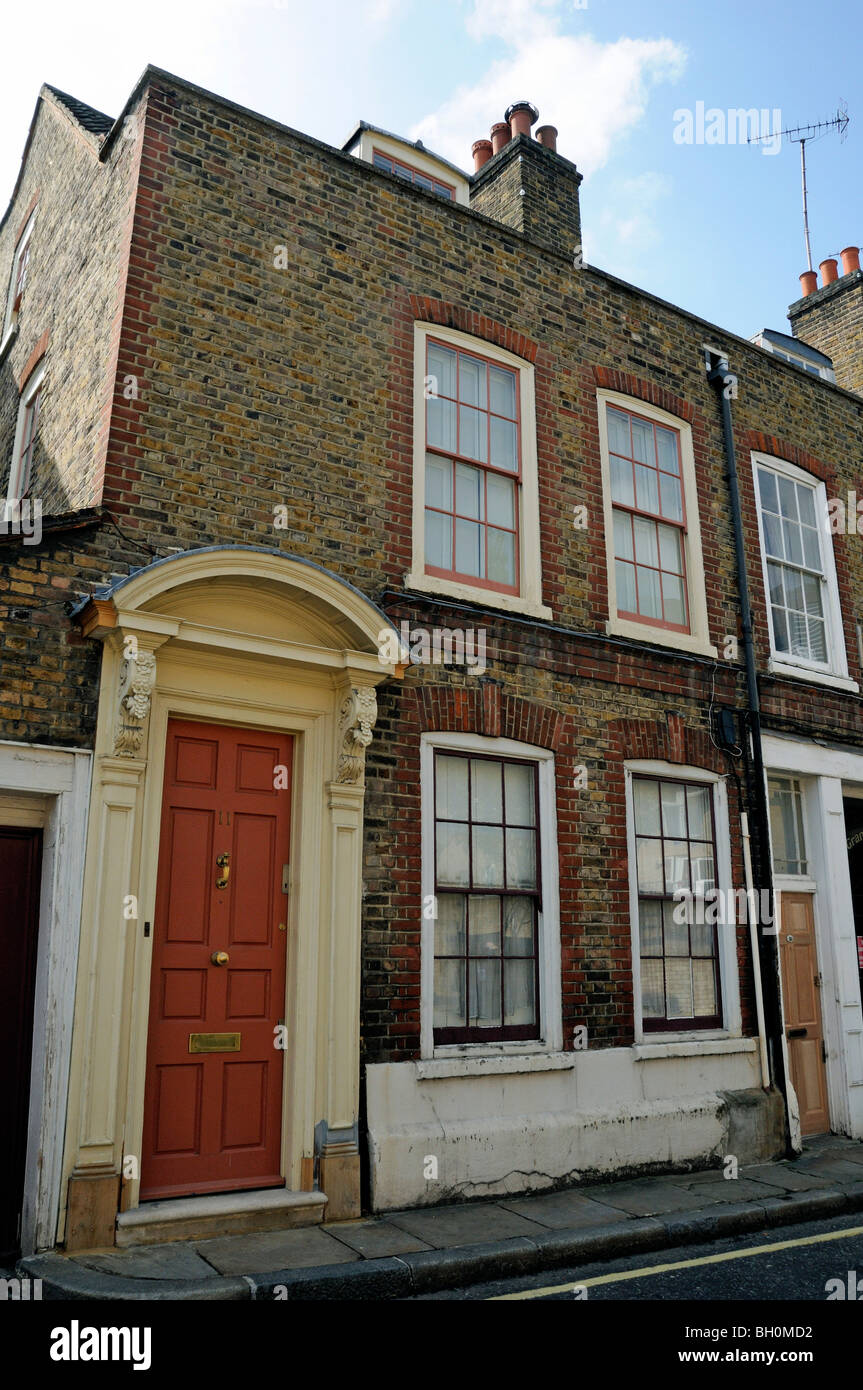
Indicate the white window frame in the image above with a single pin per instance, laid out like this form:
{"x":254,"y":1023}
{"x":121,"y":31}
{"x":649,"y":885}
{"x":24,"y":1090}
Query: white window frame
{"x":697,"y":640}
{"x":729,"y":981}
{"x":833,"y":672}
{"x":550,"y":1018}
{"x":528,"y":600}
{"x":10,"y":317}
{"x":33,"y":384}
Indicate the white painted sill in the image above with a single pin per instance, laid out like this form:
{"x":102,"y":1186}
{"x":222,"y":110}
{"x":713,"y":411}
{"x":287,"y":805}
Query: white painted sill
{"x":803,"y":673}
{"x":486,"y":598}
{"x":704,"y":1047}
{"x":693,"y":644}
{"x":443,"y":1068}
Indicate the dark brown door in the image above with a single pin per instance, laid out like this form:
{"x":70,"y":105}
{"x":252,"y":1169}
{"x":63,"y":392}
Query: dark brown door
{"x":801,"y":990}
{"x":20,"y":860}
{"x":213,"y":1105}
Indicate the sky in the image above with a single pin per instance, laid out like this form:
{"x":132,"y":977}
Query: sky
{"x":713,"y":226}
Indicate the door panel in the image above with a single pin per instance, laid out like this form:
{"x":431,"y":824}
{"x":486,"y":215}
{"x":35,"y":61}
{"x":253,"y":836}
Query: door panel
{"x":20,"y":860}
{"x":213,"y":1119}
{"x":802,"y":1002}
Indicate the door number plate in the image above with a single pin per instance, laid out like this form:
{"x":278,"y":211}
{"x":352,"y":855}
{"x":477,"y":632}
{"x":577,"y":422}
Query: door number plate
{"x":214,"y":1042}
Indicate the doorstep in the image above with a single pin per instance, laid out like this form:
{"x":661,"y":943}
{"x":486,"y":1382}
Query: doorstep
{"x":221,"y":1214}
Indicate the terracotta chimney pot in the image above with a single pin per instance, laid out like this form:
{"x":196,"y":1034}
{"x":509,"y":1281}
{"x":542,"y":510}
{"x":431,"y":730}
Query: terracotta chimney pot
{"x":829,"y":271}
{"x":808,"y":282}
{"x":500,"y":136}
{"x":850,"y":259}
{"x":482,"y":151}
{"x":521,"y":116}
{"x":547,"y":136}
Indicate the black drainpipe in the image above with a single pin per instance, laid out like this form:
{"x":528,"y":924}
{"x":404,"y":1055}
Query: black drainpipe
{"x":725,"y":382}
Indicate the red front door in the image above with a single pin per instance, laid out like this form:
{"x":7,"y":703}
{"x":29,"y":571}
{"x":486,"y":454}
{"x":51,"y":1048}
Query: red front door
{"x":213,"y":1103}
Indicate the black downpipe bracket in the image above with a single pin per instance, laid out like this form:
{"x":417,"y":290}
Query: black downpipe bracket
{"x":725,"y":383}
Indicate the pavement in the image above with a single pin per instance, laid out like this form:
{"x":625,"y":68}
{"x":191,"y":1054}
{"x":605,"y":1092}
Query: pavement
{"x":424,"y":1250}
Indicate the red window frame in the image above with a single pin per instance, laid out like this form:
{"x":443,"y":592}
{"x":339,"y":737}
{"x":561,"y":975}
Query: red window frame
{"x":503,"y":1033}
{"x":696,"y":1022}
{"x":514,"y":475}
{"x":394,"y":164}
{"x":29,"y":426}
{"x":658,"y":518}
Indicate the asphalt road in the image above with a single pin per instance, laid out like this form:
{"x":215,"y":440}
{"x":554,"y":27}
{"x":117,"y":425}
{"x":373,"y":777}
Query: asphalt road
{"x":785,"y":1264}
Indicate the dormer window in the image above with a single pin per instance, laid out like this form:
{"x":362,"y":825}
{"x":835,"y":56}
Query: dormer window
{"x":18,"y":277}
{"x":411,"y":175}
{"x":410,"y":161}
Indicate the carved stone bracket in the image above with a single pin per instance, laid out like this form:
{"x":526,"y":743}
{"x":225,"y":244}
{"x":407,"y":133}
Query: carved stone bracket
{"x":357,"y":716}
{"x":137,"y":678}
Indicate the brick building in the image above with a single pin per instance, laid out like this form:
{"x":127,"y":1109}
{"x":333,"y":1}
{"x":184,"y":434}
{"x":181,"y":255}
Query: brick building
{"x":381,"y":762}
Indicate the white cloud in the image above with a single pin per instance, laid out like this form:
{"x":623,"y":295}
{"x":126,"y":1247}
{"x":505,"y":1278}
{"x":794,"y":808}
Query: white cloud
{"x":593,"y":92}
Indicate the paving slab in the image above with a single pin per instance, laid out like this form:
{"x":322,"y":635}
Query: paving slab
{"x":825,"y":1165}
{"x":787,"y":1176}
{"x":376,"y":1240}
{"x":175,"y":1261}
{"x":650,"y":1197}
{"x":564,"y":1210}
{"x":272,"y":1250}
{"x":443,"y":1227}
{"x":735,"y":1190}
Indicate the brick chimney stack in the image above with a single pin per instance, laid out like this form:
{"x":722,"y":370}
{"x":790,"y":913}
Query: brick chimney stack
{"x":526,"y":184}
{"x":831,"y":318}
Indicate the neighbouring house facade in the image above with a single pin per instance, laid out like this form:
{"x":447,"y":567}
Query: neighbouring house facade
{"x":381,"y":773}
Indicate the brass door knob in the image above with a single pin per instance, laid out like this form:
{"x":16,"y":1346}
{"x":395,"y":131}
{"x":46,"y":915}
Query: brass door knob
{"x":220,"y":958}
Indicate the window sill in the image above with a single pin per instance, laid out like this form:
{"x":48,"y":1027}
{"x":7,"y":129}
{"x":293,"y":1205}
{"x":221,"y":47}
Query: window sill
{"x":705,"y":1047}
{"x":803,"y":673}
{"x":486,"y":598}
{"x":9,"y":339}
{"x":660,"y":637}
{"x":442,"y":1068}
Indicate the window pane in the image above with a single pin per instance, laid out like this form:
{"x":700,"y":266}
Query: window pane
{"x":676,"y":933}
{"x":767,"y":489}
{"x":703,"y":868}
{"x":518,"y":933}
{"x":520,"y":800}
{"x":449,"y":1001}
{"x":502,"y":392}
{"x":674,"y":809}
{"x":650,"y":927}
{"x":518,"y":992}
{"x":676,"y":866}
{"x":625,"y":584}
{"x":468,"y":552}
{"x":793,"y":542}
{"x":504,"y":444}
{"x":647,"y":488}
{"x":703,"y":938}
{"x":705,"y":1001}
{"x":669,"y":549}
{"x":472,"y":439}
{"x":780,"y":630}
{"x":652,"y":989}
{"x":675,"y":599}
{"x":806,"y":503}
{"x":700,"y":819}
{"x":501,"y":498}
{"x":439,"y":482}
{"x":642,"y":442}
{"x":487,"y":856}
{"x":468,"y":491}
{"x":471,"y":382}
{"x":441,"y":365}
{"x":817,"y":640}
{"x":646,"y":797}
{"x":483,"y":926}
{"x":449,"y":926}
{"x":811,"y":548}
{"x":622,"y":535}
{"x":812,"y":595}
{"x":773,"y":536}
{"x":649,"y":598}
{"x":774,"y":580}
{"x":501,"y":557}
{"x":618,"y":432}
{"x":666,"y":448}
{"x":484,"y":985}
{"x":486,"y":791}
{"x":787,"y":498}
{"x":452,"y":854}
{"x":451,"y":787}
{"x":646,"y":548}
{"x":678,"y":988}
{"x":441,"y":424}
{"x":422,"y":181}
{"x":672,"y":498}
{"x":520,"y":859}
{"x":649,"y":860}
{"x":438,"y":540}
{"x":622,"y":488}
